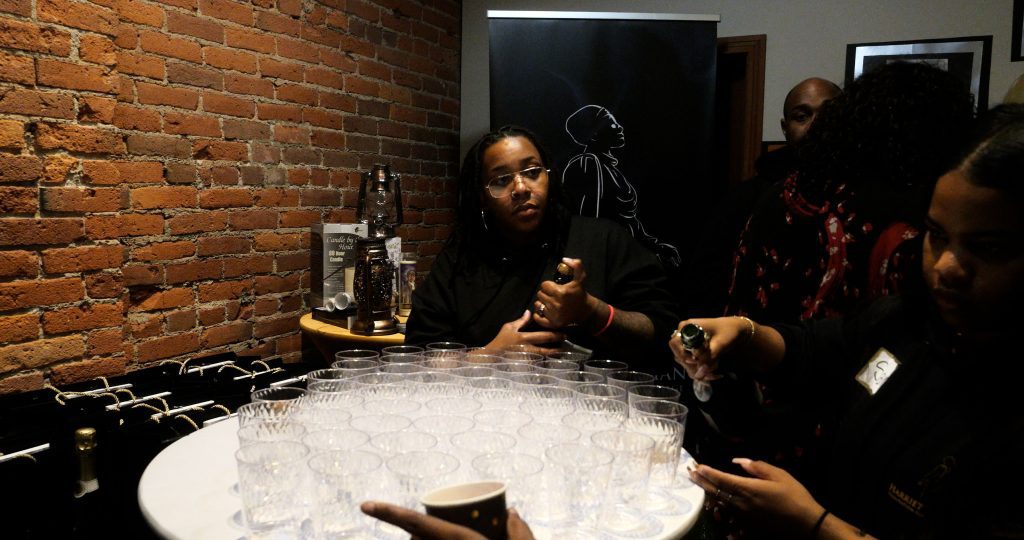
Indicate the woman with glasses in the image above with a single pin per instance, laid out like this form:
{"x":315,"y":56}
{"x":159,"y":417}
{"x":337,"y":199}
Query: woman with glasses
{"x":492,"y":284}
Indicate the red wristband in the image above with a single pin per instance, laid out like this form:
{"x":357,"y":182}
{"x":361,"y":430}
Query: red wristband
{"x":611,"y":315}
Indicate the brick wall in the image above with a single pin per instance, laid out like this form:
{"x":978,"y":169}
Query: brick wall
{"x":161,"y":163}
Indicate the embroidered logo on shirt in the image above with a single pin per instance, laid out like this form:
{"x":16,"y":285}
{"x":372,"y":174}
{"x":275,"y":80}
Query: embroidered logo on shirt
{"x":905,"y":500}
{"x":878,"y":370}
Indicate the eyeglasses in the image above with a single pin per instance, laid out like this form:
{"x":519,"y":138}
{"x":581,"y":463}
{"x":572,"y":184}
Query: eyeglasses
{"x":501,"y":186}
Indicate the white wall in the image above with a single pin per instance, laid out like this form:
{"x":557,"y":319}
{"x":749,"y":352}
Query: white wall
{"x":805,"y":38}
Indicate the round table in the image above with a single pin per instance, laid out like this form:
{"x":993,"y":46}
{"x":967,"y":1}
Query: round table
{"x":187,"y":491}
{"x":330,"y":338}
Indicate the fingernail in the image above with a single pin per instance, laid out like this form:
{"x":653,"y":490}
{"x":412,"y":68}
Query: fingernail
{"x":701,"y":372}
{"x":513,"y":512}
{"x":741,"y":461}
{"x":368,"y":507}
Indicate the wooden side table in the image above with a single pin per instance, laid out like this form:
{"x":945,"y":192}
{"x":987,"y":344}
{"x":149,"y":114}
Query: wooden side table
{"x":330,"y":339}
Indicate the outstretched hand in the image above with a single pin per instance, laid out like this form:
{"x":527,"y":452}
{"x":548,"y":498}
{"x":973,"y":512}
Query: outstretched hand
{"x":723,"y":334}
{"x":771,"y":497}
{"x":509,"y":336}
{"x":424,"y":527}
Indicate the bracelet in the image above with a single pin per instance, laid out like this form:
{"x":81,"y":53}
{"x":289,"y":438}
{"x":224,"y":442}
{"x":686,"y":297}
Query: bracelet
{"x":817,"y":525}
{"x":753,"y":327}
{"x":611,"y":315}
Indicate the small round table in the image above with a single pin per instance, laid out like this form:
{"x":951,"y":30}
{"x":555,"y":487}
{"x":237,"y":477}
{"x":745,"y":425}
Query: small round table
{"x":330,"y":338}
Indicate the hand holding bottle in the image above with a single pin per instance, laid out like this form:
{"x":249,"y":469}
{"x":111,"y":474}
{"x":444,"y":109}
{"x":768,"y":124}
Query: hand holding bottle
{"x":559,"y":305}
{"x":723,"y":333}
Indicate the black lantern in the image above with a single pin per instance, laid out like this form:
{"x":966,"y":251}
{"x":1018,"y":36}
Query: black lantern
{"x":380,"y":207}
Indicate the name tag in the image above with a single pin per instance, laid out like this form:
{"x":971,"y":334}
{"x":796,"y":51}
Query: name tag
{"x":878,"y":370}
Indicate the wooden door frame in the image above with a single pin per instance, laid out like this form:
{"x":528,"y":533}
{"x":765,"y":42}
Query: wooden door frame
{"x":755,"y":48}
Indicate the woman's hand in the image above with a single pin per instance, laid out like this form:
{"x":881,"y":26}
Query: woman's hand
{"x":559,"y":306}
{"x":772,"y":498}
{"x":723,"y":334}
{"x":509,"y":336}
{"x":426,"y":527}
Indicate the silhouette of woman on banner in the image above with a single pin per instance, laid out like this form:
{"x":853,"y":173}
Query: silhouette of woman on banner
{"x":593,"y":182}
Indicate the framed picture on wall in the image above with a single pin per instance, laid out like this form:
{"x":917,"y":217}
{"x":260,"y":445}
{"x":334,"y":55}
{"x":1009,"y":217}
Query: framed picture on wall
{"x":1017,"y":46}
{"x":968,"y":58}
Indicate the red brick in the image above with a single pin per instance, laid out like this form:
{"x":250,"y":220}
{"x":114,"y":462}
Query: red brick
{"x":248,"y":130}
{"x":103,"y":342}
{"x":101,"y":227}
{"x":96,"y":109}
{"x":322,"y":118}
{"x":297,"y":50}
{"x":230,"y":59}
{"x":87,"y":370}
{"x":14,"y":328}
{"x":17,"y":7}
{"x":75,"y":76}
{"x":39,"y":353}
{"x":297,"y":94}
{"x":161,"y":145}
{"x":318,"y":34}
{"x":191,"y":124}
{"x":273,"y":197}
{"x":277,"y":241}
{"x":31,"y":37}
{"x":252,"y":40}
{"x":142,"y":274}
{"x":165,"y":45}
{"x":194,"y":271}
{"x":198,"y":222}
{"x":265,"y":306}
{"x":12,"y":135}
{"x":225,"y":290}
{"x":270,"y":67}
{"x":143,"y":65}
{"x":152,"y":94}
{"x":319,"y":197}
{"x":164,"y":197}
{"x":164,"y":251}
{"x":252,"y":175}
{"x":225,"y":198}
{"x":219,"y":176}
{"x":252,"y":86}
{"x":273,"y":111}
{"x":57,"y":168}
{"x":78,"y":139}
{"x":338,"y":60}
{"x":18,"y":200}
{"x":179,"y":321}
{"x":140,"y":13}
{"x":78,"y":259}
{"x":195,"y":76}
{"x":78,"y":200}
{"x":148,"y":300}
{"x":300,"y":218}
{"x":144,"y":326}
{"x":84,"y":317}
{"x":181,"y":173}
{"x":19,"y":168}
{"x":167,"y":347}
{"x":104,"y":285}
{"x":292,"y":261}
{"x":227,"y":10}
{"x":37,"y":103}
{"x":77,"y":15}
{"x":290,"y":7}
{"x":276,"y":23}
{"x":17,"y":69}
{"x":19,"y":264}
{"x":274,"y":327}
{"x":220,"y":150}
{"x":180,"y":23}
{"x":122,"y":172}
{"x":27,"y":231}
{"x":234,"y":332}
{"x":97,"y":49}
{"x":46,"y":292}
{"x":22,"y":382}
{"x":128,"y":117}
{"x":291,"y":134}
{"x":329,"y":139}
{"x":244,"y":266}
{"x":253,"y":219}
{"x":211,"y":316}
{"x":224,"y":245}
{"x":232,"y":106}
{"x":262,"y":153}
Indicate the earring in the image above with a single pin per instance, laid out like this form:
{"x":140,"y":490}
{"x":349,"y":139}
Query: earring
{"x":483,"y":219}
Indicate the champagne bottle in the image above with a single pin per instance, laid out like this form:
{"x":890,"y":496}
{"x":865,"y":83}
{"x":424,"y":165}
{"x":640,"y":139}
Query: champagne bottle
{"x":694,"y":338}
{"x":85,"y":449}
{"x":563,"y":274}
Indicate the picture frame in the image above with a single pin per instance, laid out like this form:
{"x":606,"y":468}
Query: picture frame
{"x":1017,"y":44}
{"x":968,"y":58}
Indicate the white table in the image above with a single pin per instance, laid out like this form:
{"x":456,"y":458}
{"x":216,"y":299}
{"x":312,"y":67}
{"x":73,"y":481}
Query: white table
{"x":187,"y":490}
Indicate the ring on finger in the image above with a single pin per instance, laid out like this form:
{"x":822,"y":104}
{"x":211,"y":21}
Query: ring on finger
{"x":542,"y":310}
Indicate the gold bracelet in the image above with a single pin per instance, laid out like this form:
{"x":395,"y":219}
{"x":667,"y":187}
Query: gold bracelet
{"x":753,"y":327}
